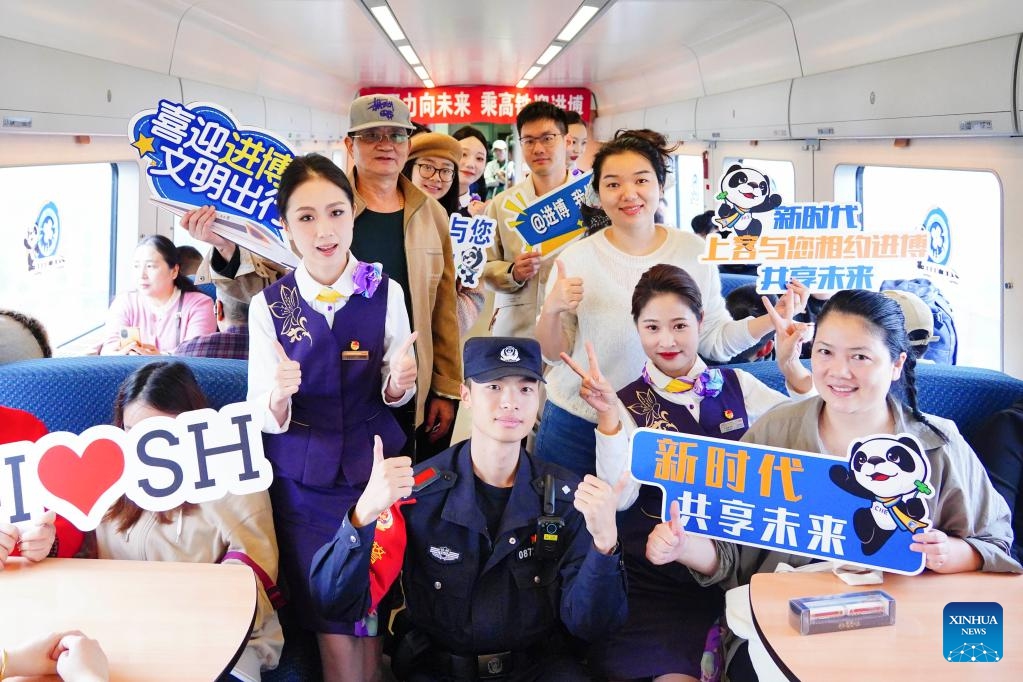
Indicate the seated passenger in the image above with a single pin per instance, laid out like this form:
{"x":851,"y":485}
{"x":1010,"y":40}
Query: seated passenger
{"x":742,"y":302}
{"x":190,"y":259}
{"x":671,"y":607}
{"x":71,"y":655}
{"x":49,"y":536}
{"x":703,"y":224}
{"x":919,"y":321}
{"x":231,"y":341}
{"x":234,"y":529}
{"x":480,"y":589}
{"x":163,"y":311}
{"x":22,"y":338}
{"x":860,"y":352}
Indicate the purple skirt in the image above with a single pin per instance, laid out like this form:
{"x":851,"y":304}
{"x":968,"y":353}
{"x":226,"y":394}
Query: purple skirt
{"x":669,"y":613}
{"x":305,"y":519}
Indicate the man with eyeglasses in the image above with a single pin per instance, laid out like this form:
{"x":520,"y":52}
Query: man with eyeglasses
{"x":399,"y":226}
{"x":516,"y":273}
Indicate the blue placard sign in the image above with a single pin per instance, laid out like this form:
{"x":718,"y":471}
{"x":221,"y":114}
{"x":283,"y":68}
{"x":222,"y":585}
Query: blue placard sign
{"x":199,"y":155}
{"x":554,"y":216}
{"x":858,"y":510}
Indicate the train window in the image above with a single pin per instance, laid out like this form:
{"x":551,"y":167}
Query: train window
{"x":57,"y":248}
{"x":684,"y":190}
{"x":962,"y":210}
{"x":781,"y":173}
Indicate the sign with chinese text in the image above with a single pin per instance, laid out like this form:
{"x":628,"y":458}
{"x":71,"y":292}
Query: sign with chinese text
{"x":160,"y":464}
{"x":823,"y":245}
{"x":860,"y":510}
{"x":552,"y":220}
{"x":198,"y":155}
{"x":457,"y":105}
{"x":470,"y":237}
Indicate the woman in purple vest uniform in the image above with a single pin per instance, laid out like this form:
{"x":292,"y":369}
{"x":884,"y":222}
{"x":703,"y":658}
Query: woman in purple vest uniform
{"x":329,"y":353}
{"x":671,"y":604}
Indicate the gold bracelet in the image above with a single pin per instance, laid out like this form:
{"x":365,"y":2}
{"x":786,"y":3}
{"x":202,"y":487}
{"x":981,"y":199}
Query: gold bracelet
{"x":3,"y":663}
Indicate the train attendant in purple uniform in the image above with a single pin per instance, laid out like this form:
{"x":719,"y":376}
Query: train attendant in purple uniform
{"x":330,"y":352}
{"x":672,"y":605}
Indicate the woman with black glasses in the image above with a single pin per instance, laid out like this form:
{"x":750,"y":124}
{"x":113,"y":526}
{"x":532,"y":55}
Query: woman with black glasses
{"x":433,"y":167}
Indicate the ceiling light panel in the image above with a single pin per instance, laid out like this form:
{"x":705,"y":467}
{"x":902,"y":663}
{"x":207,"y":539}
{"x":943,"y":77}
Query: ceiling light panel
{"x":581,"y":18}
{"x":409,"y":54}
{"x":390,"y":24}
{"x":549,"y":54}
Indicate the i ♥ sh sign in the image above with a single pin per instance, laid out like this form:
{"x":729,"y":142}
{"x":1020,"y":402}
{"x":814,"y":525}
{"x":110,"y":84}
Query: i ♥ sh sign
{"x":159,"y":464}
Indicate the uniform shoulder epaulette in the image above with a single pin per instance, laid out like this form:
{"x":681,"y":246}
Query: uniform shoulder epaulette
{"x":431,"y":480}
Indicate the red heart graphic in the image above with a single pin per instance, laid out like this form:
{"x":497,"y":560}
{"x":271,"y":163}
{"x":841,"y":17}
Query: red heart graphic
{"x":81,"y":480}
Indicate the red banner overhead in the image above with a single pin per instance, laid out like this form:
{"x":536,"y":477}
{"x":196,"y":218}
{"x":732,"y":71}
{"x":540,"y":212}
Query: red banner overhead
{"x":482,"y":103}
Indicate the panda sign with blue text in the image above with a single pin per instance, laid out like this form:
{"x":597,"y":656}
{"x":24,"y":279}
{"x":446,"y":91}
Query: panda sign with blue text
{"x":862,"y":510}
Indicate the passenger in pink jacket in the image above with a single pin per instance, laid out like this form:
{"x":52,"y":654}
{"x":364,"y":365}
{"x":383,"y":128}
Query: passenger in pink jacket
{"x":164,"y":310}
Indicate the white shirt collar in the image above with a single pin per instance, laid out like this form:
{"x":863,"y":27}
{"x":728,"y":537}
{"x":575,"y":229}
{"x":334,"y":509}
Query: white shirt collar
{"x":309,"y":288}
{"x":661,"y":379}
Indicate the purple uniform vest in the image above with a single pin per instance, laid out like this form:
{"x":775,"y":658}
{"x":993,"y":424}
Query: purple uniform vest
{"x":649,"y":410}
{"x":727,"y":409}
{"x":338,"y":408}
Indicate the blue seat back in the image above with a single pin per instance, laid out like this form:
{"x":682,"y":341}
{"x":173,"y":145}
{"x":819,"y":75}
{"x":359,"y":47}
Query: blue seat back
{"x":72,"y":394}
{"x":730,"y":282}
{"x":966,"y":395}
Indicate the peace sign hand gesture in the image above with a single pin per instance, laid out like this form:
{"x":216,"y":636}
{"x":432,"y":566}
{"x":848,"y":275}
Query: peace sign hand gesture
{"x":596,"y":390}
{"x":789,"y":337}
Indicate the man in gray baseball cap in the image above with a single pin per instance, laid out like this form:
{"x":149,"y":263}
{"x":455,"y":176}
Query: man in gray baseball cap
{"x":374,"y":111}
{"x":406,"y":231}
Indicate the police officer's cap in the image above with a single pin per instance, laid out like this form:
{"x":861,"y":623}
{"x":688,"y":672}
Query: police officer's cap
{"x":492,"y":357}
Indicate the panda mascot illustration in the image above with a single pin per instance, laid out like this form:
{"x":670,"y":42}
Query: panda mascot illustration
{"x":891,"y":472}
{"x":744,"y":192}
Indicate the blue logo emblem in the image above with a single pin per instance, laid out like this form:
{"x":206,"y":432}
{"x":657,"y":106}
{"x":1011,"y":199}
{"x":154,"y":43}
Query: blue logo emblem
{"x":940,"y":245}
{"x":44,"y":237}
{"x":972,"y":632}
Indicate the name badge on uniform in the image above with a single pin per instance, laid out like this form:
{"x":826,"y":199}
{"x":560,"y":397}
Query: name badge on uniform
{"x":353,"y":352}
{"x":732,"y":425}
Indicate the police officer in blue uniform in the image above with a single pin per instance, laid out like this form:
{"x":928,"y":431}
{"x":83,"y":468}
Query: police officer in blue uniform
{"x":507,"y":556}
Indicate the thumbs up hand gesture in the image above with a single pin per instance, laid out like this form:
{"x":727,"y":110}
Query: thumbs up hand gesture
{"x":403,"y":369}
{"x":567,"y":292}
{"x":287,"y":379}
{"x":389,"y":481}
{"x":667,"y":540}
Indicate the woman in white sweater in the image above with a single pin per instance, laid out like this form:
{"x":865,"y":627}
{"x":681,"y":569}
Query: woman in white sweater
{"x":628,"y":174}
